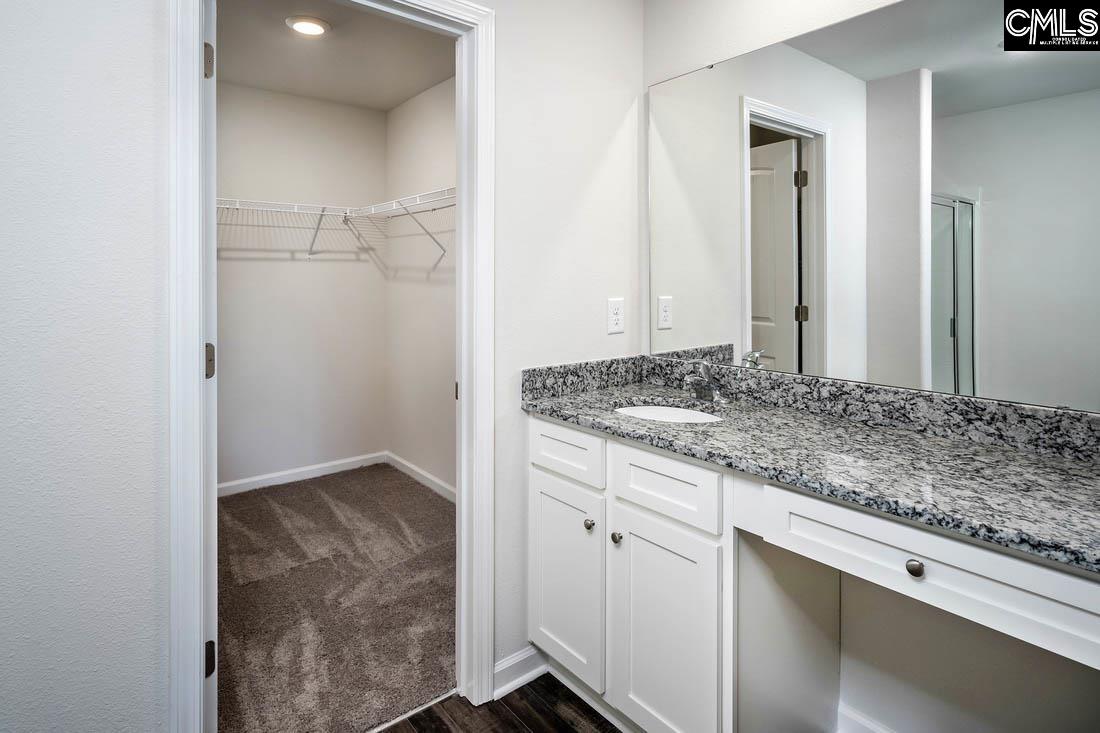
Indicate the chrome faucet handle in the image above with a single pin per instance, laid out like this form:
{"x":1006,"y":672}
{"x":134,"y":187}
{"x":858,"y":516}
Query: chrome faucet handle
{"x":697,"y":384}
{"x":703,"y":382}
{"x":751,"y":359}
{"x":694,"y":379}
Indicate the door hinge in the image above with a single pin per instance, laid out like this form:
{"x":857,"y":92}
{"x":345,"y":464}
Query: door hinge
{"x":951,"y":325}
{"x":207,"y":61}
{"x":211,"y":360}
{"x":801,"y":313}
{"x":211,"y":657}
{"x":801,"y":179}
{"x":456,"y":390}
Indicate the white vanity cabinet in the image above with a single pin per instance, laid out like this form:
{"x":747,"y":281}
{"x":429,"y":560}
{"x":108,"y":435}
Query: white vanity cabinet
{"x":626,"y":569}
{"x":664,"y":624}
{"x":696,"y":599}
{"x":566,"y":574}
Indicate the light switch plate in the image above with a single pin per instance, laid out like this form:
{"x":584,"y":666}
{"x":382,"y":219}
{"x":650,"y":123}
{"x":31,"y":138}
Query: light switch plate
{"x":616,"y":315}
{"x":664,"y":312}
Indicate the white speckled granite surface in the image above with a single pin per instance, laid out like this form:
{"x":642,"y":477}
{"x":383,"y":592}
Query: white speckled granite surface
{"x":1047,"y":430}
{"x":1045,"y":506}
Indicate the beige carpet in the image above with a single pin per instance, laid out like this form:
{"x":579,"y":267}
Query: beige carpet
{"x":336,"y":602}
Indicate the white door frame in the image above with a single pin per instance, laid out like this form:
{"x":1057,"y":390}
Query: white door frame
{"x":816,"y":135}
{"x":189,"y":197}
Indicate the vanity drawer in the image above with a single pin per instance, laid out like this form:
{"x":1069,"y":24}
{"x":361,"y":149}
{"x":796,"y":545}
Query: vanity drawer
{"x":571,"y":453}
{"x":674,"y":488}
{"x":1041,"y":605}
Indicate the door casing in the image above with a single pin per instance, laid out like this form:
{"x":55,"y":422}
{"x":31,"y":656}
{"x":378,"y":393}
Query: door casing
{"x":815,"y":139}
{"x":192,"y":317}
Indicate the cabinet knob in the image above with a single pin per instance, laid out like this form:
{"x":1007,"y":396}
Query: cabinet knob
{"x":589,"y":524}
{"x":915,"y":568}
{"x":616,"y":537}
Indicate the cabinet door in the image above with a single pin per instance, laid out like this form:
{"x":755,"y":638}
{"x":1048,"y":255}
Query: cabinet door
{"x":565,"y":603}
{"x":664,"y":622}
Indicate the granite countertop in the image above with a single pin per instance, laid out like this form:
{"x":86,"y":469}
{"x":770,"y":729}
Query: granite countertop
{"x":1048,"y":507}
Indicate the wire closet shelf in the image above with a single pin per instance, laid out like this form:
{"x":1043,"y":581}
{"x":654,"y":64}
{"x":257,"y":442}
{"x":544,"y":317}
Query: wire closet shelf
{"x":272,"y":230}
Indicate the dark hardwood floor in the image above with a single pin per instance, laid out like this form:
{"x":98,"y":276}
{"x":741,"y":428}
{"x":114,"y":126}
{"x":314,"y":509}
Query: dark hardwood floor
{"x":542,"y":705}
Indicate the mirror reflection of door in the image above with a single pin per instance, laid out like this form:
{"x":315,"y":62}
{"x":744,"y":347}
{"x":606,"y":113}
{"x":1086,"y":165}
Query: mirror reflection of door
{"x":952,"y":295}
{"x":774,"y":252}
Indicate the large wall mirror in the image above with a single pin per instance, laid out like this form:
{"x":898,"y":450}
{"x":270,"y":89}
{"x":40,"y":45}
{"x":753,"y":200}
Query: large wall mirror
{"x":893,"y":199}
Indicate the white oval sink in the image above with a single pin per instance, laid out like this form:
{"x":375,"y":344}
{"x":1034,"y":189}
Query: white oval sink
{"x":663,"y":413}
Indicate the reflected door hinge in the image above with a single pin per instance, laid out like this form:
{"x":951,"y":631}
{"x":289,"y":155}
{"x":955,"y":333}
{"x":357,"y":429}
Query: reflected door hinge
{"x":801,"y":179}
{"x":801,"y":313}
{"x":207,"y":60}
{"x":211,"y":657}
{"x":211,"y":360}
{"x":456,"y":390}
{"x":951,"y":325}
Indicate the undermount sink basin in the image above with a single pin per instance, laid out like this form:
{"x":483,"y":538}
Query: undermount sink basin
{"x":663,"y":413}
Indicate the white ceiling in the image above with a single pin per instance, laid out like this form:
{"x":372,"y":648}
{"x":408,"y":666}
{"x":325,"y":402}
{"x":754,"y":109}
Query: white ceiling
{"x":957,"y":40}
{"x":365,"y":59}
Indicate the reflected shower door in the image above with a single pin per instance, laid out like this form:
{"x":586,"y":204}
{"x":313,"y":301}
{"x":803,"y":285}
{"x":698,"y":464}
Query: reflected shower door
{"x":952,"y":295}
{"x":964,"y":297}
{"x":943,"y":297}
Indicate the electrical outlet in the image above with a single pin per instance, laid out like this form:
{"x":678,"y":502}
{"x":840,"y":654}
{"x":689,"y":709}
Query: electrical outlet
{"x":616,"y":315}
{"x":664,"y":312}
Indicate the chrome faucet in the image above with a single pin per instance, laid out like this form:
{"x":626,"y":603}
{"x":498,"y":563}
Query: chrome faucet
{"x":703,"y":385}
{"x":751,"y":359}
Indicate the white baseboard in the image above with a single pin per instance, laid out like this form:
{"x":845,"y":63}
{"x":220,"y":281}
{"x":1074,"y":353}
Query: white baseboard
{"x":850,"y":720}
{"x":516,"y":670}
{"x":300,"y":474}
{"x":432,"y":482}
{"x":344,"y":464}
{"x":594,"y":700}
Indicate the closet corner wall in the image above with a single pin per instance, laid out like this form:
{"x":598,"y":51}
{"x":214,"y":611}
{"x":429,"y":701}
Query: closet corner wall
{"x":328,"y":360}
{"x":421,"y":312}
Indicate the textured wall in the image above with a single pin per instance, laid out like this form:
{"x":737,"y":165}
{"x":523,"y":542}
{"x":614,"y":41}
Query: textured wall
{"x":83,"y":387}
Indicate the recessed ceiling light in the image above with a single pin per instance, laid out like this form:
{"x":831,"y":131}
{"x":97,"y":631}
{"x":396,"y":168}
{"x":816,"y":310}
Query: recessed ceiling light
{"x":307,"y":25}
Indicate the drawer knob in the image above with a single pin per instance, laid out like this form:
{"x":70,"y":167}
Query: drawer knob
{"x":915,"y":568}
{"x":589,"y":524}
{"x":616,"y":537}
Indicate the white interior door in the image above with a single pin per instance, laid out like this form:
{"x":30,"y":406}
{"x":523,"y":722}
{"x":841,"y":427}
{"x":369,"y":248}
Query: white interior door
{"x":210,"y":396}
{"x":774,"y":247}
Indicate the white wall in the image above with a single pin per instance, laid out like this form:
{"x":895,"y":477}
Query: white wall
{"x":695,"y":209}
{"x":911,"y":668}
{"x":421,"y":314}
{"x":302,"y":344}
{"x":85,"y":334}
{"x":694,"y":212}
{"x":1031,"y":167}
{"x":899,"y":164}
{"x":569,"y":76}
{"x":684,"y":35}
{"x":83,"y":388}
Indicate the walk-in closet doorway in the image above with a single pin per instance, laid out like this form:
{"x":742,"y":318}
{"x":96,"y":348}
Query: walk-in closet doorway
{"x":324,"y":532}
